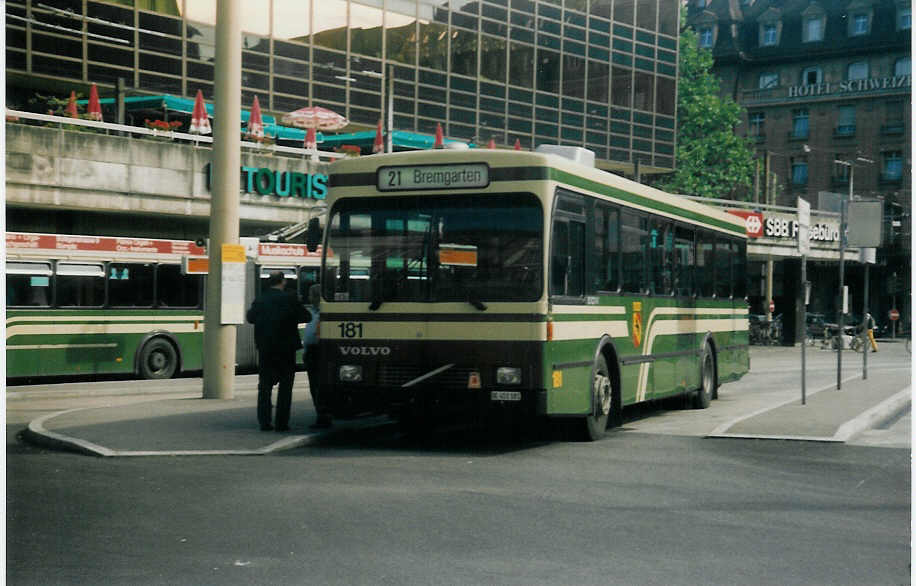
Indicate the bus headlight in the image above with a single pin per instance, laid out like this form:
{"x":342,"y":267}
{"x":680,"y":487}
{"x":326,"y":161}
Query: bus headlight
{"x":350,"y":373}
{"x":508,"y":375}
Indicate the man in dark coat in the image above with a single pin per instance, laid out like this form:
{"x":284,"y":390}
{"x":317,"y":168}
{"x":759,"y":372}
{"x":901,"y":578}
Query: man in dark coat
{"x":276,"y":315}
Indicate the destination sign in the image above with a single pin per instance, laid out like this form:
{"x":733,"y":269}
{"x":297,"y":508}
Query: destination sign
{"x":458,"y":176}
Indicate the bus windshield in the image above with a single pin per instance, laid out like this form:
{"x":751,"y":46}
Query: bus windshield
{"x":432,"y":248}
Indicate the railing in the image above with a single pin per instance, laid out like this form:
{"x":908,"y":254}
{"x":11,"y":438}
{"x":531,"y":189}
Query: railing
{"x":195,"y":139}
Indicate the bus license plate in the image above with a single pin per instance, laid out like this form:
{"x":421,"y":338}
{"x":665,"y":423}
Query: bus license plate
{"x":505,"y":396}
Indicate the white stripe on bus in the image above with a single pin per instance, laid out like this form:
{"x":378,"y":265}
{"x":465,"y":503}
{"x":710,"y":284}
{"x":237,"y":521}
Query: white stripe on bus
{"x":90,"y":318}
{"x":58,"y":346}
{"x":589,"y":309}
{"x":589,"y":330}
{"x":655,"y":328}
{"x":75,"y":329}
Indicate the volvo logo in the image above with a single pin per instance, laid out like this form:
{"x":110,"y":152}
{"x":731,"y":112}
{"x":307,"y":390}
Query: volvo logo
{"x":365,"y":350}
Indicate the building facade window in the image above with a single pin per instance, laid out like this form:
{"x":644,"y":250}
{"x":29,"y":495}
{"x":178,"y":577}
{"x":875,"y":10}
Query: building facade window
{"x":799,"y":172}
{"x":800,"y":123}
{"x":902,"y":66}
{"x":769,"y":36}
{"x":812,"y":76}
{"x":768,"y":79}
{"x":846,"y":121}
{"x":860,"y":24}
{"x":904,"y":17}
{"x":813,"y":30}
{"x":840,"y":171}
{"x":893,"y":166}
{"x":756,"y":122}
{"x":857,"y":70}
{"x":705,"y":38}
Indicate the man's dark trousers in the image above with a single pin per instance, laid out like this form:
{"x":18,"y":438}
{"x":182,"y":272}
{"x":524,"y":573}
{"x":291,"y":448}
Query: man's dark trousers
{"x":276,"y":367}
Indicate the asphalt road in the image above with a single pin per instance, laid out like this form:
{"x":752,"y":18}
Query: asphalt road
{"x":375,"y":507}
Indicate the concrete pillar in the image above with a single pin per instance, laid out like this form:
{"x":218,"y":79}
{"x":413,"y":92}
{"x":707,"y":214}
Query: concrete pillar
{"x":219,"y":340}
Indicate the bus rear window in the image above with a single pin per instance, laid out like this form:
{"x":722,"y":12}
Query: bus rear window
{"x":28,"y":284}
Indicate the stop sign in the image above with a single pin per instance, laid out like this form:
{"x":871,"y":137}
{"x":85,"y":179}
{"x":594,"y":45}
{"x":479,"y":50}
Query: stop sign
{"x":772,"y":306}
{"x":893,"y":314}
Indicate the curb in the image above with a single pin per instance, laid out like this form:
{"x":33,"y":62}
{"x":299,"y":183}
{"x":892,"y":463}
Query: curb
{"x":874,"y":417}
{"x":36,"y":434}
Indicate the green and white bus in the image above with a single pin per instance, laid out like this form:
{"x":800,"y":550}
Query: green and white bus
{"x":495,"y":279}
{"x":78,"y":305}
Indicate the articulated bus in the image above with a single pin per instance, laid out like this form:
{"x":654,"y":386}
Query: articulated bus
{"x":493,"y":280}
{"x":112,"y":305}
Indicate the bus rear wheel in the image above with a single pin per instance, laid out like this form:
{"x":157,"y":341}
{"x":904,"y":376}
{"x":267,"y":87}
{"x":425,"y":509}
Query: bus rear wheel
{"x":602,"y":401}
{"x":158,"y":359}
{"x":704,"y":394}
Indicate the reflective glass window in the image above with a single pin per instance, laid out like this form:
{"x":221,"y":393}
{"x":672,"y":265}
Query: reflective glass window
{"x":160,"y":64}
{"x":633,"y":243}
{"x":548,"y":71}
{"x":624,"y":11}
{"x":723,"y":267}
{"x":704,"y":263}
{"x":621,"y":86}
{"x":644,"y":91}
{"x":201,"y":43}
{"x":521,"y":65}
{"x":665,"y":102}
{"x":646,"y":13}
{"x":200,"y":70}
{"x":433,"y":46}
{"x":573,"y":76}
{"x":292,"y":20}
{"x":401,"y":31}
{"x":56,"y":45}
{"x":330,"y":24}
{"x":365,"y":29}
{"x":464,"y":52}
{"x":108,"y":55}
{"x":493,"y":59}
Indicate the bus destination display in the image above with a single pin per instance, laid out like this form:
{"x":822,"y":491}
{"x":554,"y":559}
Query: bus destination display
{"x":458,"y":176}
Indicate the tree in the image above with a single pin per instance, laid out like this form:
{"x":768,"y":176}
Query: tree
{"x":711,"y":160}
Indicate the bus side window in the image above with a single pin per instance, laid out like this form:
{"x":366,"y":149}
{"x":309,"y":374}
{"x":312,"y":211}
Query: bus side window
{"x":130,"y":284}
{"x":634,"y":241}
{"x":723,"y":268}
{"x":568,"y":253}
{"x":660,"y":257}
{"x":80,"y":285}
{"x":176,"y":290}
{"x":704,"y":270}
{"x":685,"y":261}
{"x":739,"y":269}
{"x":28,"y":284}
{"x":607,"y":249}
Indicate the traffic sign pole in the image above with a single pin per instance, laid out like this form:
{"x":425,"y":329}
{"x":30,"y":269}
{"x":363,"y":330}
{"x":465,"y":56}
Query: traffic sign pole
{"x":804,"y":246}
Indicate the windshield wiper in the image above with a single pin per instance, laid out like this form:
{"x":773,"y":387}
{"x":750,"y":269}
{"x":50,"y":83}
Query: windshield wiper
{"x":477,"y":303}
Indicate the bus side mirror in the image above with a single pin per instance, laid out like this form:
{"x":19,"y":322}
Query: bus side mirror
{"x":313,"y":235}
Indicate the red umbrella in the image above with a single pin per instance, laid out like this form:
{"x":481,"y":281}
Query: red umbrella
{"x":518,"y":144}
{"x":315,"y":117}
{"x":439,"y":141}
{"x":94,"y":109}
{"x":200,"y":124}
{"x":71,"y":106}
{"x":491,"y":144}
{"x":255,"y":126}
{"x":379,"y":145}
{"x":311,"y":141}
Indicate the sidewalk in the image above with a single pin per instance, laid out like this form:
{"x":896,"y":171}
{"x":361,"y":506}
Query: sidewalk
{"x":764,"y":404}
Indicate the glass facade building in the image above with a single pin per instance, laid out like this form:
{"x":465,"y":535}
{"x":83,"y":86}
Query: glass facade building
{"x":594,"y":73}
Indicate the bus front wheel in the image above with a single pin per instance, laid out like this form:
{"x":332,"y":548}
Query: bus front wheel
{"x":158,"y":359}
{"x":602,"y":401}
